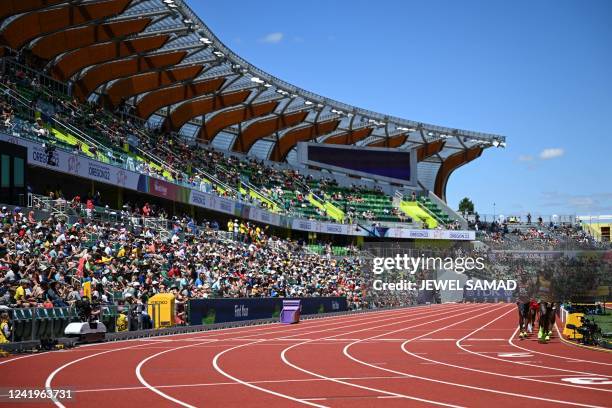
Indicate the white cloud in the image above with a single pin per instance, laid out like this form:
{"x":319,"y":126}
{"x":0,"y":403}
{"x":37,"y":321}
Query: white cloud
{"x":525,"y":157}
{"x":582,"y":201}
{"x":600,"y":202}
{"x":551,"y":153}
{"x":273,"y":38}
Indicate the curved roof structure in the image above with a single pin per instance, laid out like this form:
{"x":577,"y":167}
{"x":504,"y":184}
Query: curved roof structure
{"x":161,"y":60}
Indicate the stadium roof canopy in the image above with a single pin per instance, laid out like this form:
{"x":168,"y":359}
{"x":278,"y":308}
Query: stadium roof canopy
{"x":159,"y":61}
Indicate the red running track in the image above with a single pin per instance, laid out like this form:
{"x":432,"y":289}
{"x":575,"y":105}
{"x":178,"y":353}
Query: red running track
{"x":453,"y":355}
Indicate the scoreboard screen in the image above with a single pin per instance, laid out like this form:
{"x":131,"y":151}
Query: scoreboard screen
{"x":393,"y":165}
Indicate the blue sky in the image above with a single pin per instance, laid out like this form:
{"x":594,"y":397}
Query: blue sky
{"x":538,"y":72}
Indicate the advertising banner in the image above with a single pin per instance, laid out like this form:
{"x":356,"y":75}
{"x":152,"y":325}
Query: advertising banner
{"x":208,"y":311}
{"x":76,"y":164}
{"x":430,"y":234}
{"x":163,"y":189}
{"x":225,"y":205}
{"x":201,"y":199}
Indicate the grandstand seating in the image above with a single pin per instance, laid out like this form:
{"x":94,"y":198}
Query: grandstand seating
{"x":88,"y":125}
{"x":334,"y":250}
{"x":434,"y":210}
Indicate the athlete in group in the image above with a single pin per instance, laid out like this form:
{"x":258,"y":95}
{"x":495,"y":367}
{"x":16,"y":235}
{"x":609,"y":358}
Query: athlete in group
{"x":533,"y":312}
{"x":546,"y":305}
{"x":523,"y":300}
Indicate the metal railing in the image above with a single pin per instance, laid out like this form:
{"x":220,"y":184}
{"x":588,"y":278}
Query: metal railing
{"x":43,"y":79}
{"x":455,"y":216}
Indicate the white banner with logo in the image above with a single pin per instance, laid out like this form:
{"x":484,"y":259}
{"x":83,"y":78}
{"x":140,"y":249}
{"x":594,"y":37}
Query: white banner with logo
{"x":430,"y":234}
{"x":75,"y":164}
{"x":264,"y":216}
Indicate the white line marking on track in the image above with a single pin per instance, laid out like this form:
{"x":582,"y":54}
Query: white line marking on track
{"x":247,"y":329}
{"x":517,"y":355}
{"x":588,"y":380}
{"x":450,"y":383}
{"x":238,"y":380}
{"x":284,"y":358}
{"x":485,"y":339}
{"x":541,"y":376}
{"x":427,"y":339}
{"x":215,"y":363}
{"x":458,"y":343}
{"x":215,"y":384}
{"x":251,"y":328}
{"x":49,"y":379}
{"x":573,"y":359}
{"x":154,"y":389}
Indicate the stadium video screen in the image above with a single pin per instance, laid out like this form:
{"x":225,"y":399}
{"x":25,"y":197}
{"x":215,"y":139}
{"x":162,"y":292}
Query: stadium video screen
{"x":388,"y":163}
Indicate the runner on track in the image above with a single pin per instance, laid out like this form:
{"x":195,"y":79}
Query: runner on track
{"x":533,"y":312}
{"x":547,"y":305}
{"x":523,"y":298}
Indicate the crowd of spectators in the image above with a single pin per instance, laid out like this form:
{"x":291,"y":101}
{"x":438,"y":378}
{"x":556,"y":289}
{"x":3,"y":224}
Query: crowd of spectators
{"x":573,"y":274}
{"x":536,"y":236}
{"x":282,"y":188}
{"x":45,"y":263}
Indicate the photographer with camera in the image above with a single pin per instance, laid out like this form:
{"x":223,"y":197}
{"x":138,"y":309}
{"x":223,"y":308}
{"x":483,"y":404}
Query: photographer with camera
{"x":88,"y":311}
{"x":589,"y":330}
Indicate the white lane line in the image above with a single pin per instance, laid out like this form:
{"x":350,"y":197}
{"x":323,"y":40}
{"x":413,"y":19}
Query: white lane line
{"x":542,"y":376}
{"x":154,"y":389}
{"x":60,"y":368}
{"x":249,"y":329}
{"x":184,"y":404}
{"x":427,"y":339}
{"x":215,"y":384}
{"x":284,"y":358}
{"x":485,"y":340}
{"x":238,"y":380}
{"x":573,"y":359}
{"x":328,"y":322}
{"x":458,"y":343}
{"x":438,"y":362}
{"x":218,"y":368}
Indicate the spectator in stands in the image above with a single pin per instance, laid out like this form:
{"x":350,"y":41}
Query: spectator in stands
{"x":5,"y":328}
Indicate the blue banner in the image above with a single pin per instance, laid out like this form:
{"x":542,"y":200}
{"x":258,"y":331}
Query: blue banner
{"x":208,"y":311}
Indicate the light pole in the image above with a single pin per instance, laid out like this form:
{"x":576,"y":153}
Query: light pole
{"x":494,"y":212}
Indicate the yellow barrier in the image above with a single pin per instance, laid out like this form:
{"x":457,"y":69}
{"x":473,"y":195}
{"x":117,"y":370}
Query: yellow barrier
{"x":161,"y":310}
{"x":332,"y":211}
{"x":412,"y":209}
{"x":573,"y":318}
{"x":252,"y":193}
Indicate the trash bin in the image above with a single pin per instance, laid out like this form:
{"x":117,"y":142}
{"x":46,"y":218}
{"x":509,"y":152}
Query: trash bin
{"x":291,"y":311}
